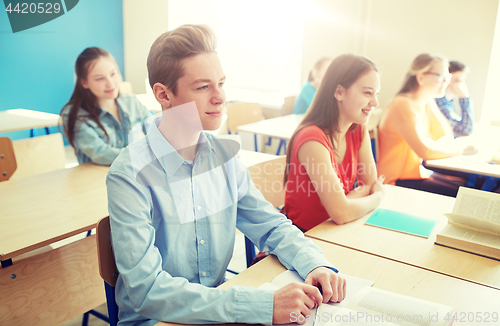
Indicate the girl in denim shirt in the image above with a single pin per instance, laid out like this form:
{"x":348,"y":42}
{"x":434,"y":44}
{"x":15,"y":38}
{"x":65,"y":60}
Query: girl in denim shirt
{"x":99,"y":121}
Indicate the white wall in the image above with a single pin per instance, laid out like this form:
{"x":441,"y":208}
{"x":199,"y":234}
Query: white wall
{"x":390,"y":32}
{"x":491,"y":106}
{"x":143,"y":22}
{"x":393,"y":32}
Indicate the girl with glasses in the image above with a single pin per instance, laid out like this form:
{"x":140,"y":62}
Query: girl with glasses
{"x":413,"y":130}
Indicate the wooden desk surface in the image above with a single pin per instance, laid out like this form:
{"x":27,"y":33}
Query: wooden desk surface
{"x":283,"y":127}
{"x":410,"y":249}
{"x":279,"y":127}
{"x":486,"y":139}
{"x":21,"y":119}
{"x":252,"y":158}
{"x":477,"y":164}
{"x":388,"y":275}
{"x":48,"y":207}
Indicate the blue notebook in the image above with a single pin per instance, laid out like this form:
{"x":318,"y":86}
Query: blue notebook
{"x":406,"y":223}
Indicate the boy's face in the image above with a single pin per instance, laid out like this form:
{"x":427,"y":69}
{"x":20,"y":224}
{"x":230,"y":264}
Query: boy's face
{"x":202,"y":83}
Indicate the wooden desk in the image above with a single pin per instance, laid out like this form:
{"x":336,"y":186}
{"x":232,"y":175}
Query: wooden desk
{"x":410,"y":249}
{"x":57,"y":285}
{"x":485,"y":139}
{"x":48,"y":207}
{"x":280,"y":127}
{"x":21,"y":119}
{"x":388,"y":275}
{"x":283,"y":127}
{"x":252,"y":158}
{"x":475,"y":164}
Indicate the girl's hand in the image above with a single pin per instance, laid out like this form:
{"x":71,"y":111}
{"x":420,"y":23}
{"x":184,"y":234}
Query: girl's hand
{"x":378,"y":186}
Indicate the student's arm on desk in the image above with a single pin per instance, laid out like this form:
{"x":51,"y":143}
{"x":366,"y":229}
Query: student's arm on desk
{"x":341,"y":208}
{"x":405,"y":122}
{"x":89,"y":141}
{"x":267,"y":228}
{"x":368,"y":183}
{"x":154,"y":293}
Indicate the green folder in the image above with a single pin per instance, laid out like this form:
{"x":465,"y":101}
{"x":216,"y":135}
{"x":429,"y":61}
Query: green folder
{"x":406,"y":223}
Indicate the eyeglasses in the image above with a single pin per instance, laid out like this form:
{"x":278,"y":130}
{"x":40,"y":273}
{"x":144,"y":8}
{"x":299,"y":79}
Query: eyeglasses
{"x":441,"y":77}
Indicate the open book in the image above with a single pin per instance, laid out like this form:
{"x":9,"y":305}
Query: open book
{"x":365,"y":305}
{"x":474,"y":225}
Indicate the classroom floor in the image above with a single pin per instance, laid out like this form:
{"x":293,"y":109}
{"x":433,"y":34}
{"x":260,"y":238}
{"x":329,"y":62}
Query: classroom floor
{"x":238,"y":263}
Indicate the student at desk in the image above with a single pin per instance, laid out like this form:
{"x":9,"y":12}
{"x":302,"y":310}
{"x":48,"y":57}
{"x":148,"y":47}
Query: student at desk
{"x":457,"y":90}
{"x":99,"y":121}
{"x":412,"y":129}
{"x":331,"y":148}
{"x":306,"y":95}
{"x":176,"y":197}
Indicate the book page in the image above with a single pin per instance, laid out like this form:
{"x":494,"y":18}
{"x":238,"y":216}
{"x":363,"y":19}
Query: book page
{"x":474,"y":224}
{"x":477,"y":203}
{"x":398,"y":309}
{"x":470,"y":235}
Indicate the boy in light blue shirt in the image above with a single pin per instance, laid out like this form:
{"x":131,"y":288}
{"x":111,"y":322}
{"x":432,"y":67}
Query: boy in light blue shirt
{"x":176,"y":197}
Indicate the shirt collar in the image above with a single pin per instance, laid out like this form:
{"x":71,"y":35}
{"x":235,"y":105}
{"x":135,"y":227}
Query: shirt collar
{"x":168,"y":157}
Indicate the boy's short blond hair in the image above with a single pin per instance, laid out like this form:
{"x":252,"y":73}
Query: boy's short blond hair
{"x":167,"y":52}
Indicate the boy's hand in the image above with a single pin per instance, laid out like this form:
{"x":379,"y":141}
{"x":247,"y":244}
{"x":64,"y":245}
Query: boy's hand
{"x":293,"y":303}
{"x":331,"y":284}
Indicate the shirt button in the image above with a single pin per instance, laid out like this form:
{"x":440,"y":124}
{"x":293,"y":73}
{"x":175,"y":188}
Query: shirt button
{"x":202,"y":241}
{"x":204,"y":274}
{"x":198,"y":208}
{"x":119,"y":142}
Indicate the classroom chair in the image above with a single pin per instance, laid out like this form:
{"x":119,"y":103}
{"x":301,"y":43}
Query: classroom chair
{"x":8,"y":164}
{"x":288,"y":104}
{"x":286,"y":110}
{"x":374,"y":141}
{"x":39,"y":155}
{"x":126,"y":88}
{"x":107,"y":267}
{"x":268,"y":178}
{"x":241,"y":113}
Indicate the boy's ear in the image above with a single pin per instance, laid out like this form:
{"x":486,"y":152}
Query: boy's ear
{"x":339,"y":92}
{"x":163,"y":95}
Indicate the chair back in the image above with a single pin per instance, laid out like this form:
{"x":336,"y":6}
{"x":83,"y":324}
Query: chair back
{"x":39,"y":155}
{"x":268,"y":178}
{"x":8,"y":163}
{"x":126,"y":88}
{"x":241,"y":113}
{"x":107,"y":267}
{"x":105,"y":255}
{"x":374,"y":141}
{"x":288,"y":104}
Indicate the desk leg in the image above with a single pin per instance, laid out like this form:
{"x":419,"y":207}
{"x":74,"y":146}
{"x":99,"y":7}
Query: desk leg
{"x":6,"y":263}
{"x":472,"y":181}
{"x":282,"y":144}
{"x":490,"y":184}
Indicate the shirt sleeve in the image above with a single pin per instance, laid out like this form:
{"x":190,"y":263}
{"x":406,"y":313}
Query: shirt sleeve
{"x":153,"y":292}
{"x":91,"y":141}
{"x":267,"y":228}
{"x":463,"y":124}
{"x":464,"y":128}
